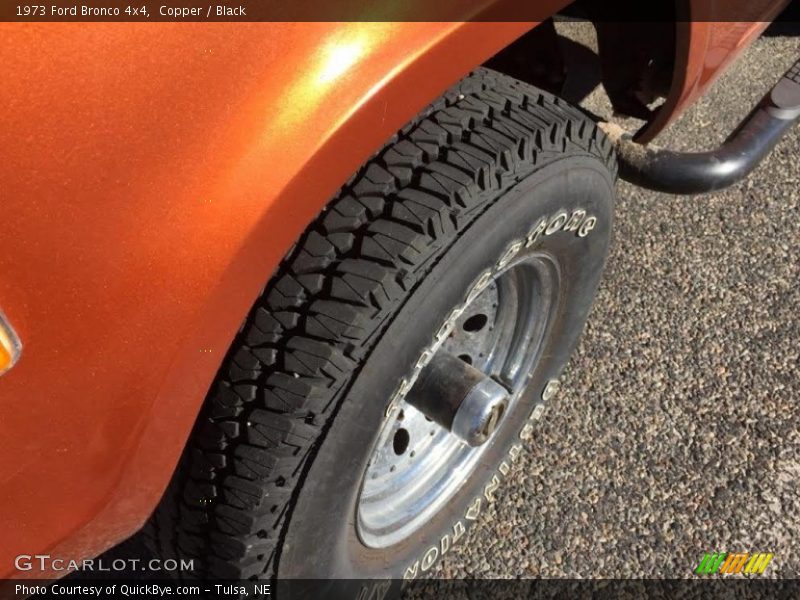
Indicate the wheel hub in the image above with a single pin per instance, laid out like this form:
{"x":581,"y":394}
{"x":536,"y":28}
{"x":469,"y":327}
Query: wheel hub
{"x":433,"y":439}
{"x":460,"y":398}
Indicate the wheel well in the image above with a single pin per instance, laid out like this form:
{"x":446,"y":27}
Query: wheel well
{"x":633,"y":61}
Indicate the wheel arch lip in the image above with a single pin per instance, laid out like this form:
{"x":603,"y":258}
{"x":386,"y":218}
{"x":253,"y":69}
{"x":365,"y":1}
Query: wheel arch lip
{"x":184,"y":282}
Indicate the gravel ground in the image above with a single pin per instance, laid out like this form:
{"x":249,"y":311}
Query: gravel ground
{"x":675,"y":431}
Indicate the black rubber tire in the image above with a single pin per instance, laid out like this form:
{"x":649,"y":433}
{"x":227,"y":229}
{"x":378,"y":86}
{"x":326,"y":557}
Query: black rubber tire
{"x":268,"y":482}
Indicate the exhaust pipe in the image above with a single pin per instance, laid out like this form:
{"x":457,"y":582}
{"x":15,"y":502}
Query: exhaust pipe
{"x":695,"y":173}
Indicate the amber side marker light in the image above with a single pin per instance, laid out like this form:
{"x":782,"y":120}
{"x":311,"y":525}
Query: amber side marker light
{"x":10,"y":346}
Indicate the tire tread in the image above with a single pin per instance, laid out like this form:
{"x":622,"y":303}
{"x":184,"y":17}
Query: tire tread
{"x":229,"y":502}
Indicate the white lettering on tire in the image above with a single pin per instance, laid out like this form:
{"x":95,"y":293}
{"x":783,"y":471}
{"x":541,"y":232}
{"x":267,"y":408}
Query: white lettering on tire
{"x":587,"y":226}
{"x":576,"y":222}
{"x":557,"y":223}
{"x":429,"y":558}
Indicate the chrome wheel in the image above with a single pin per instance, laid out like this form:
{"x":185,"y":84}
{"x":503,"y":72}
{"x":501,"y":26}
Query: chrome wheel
{"x":418,"y":462}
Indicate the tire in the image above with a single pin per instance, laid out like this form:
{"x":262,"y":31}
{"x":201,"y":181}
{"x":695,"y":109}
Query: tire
{"x":270,"y":483}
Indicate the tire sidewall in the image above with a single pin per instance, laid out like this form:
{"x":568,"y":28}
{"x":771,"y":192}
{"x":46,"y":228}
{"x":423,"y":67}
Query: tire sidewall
{"x":321,"y":541}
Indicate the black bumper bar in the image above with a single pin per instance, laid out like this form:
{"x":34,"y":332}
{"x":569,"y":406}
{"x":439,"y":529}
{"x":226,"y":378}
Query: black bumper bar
{"x":695,"y":173}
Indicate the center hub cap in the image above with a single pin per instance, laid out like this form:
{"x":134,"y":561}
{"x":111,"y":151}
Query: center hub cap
{"x":460,"y":398}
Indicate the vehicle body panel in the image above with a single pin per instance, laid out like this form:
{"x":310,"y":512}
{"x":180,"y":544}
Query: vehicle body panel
{"x":706,"y":45}
{"x":153,"y":176}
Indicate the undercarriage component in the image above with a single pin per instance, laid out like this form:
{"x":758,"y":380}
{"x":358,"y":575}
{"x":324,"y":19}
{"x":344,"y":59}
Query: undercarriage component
{"x":535,"y":58}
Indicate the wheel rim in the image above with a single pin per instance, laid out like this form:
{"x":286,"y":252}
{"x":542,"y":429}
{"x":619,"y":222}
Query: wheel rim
{"x":416,"y":465}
